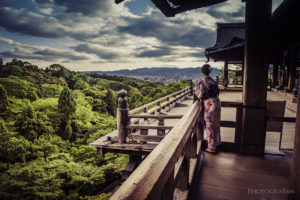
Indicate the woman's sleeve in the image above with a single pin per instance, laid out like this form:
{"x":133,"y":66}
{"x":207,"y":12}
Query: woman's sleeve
{"x":199,"y":89}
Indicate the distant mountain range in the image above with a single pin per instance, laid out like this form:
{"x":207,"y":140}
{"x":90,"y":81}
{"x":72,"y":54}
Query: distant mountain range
{"x":162,"y":74}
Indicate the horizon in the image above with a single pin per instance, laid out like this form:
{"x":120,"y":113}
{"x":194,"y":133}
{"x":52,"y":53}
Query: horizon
{"x":105,"y":36}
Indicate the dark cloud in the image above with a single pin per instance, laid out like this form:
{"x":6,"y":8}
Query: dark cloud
{"x":57,"y":54}
{"x":100,"y":52}
{"x":29,"y":23}
{"x":33,"y":24}
{"x":86,"y":7}
{"x":42,"y":54}
{"x":158,"y":52}
{"x":6,"y":1}
{"x":179,"y":33}
{"x":227,"y":16}
{"x":43,"y":2}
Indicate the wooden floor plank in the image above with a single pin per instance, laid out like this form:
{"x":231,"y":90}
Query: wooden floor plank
{"x":231,"y":176}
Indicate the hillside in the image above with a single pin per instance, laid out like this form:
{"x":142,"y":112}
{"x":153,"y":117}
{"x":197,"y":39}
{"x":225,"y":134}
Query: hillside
{"x":162,"y":74}
{"x":47,"y":119}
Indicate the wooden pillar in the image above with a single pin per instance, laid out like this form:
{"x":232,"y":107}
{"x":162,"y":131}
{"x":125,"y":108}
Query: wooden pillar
{"x":122,"y":116}
{"x":275,"y":75}
{"x":243,"y":67}
{"x":258,"y":17}
{"x":283,"y":71}
{"x":295,"y":166}
{"x":225,"y":80}
{"x":292,"y":68}
{"x":238,"y":125}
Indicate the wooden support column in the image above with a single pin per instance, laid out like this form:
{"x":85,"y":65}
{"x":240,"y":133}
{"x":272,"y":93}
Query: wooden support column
{"x":292,"y":68}
{"x":225,"y":80}
{"x":243,"y":69}
{"x":295,"y":166}
{"x":275,"y":75}
{"x":238,"y":125}
{"x":283,"y":71}
{"x":258,"y":18}
{"x":122,"y":116}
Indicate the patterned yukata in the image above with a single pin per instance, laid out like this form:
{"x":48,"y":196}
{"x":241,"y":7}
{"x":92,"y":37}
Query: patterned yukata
{"x":207,"y":90}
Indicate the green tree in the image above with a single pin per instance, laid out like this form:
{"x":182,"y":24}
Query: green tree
{"x":67,"y":103}
{"x":45,"y":146}
{"x":67,"y":134}
{"x":28,"y":123}
{"x":11,"y":148}
{"x":110,"y":101}
{"x":3,"y":99}
{"x":67,"y":106}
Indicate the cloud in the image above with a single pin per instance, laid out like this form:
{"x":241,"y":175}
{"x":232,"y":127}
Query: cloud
{"x":25,"y":51}
{"x":34,"y":24}
{"x":156,"y":52}
{"x":226,"y":14}
{"x":43,"y":2}
{"x":172,"y":32}
{"x":90,"y":7}
{"x":101,"y":52}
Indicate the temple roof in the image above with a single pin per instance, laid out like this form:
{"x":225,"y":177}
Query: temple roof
{"x":230,"y":42}
{"x":172,"y":7}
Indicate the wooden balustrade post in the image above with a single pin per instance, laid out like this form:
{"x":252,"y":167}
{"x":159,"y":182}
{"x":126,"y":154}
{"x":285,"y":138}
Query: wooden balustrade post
{"x":159,"y":110}
{"x":122,"y":116}
{"x":191,"y":87}
{"x":168,"y":105}
{"x":161,"y":132}
{"x":145,"y":111}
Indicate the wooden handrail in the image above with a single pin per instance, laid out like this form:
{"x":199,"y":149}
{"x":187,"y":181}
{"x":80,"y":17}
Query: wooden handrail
{"x":156,"y":172}
{"x":156,"y":101}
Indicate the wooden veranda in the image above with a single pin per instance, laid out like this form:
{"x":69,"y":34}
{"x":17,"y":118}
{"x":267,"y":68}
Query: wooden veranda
{"x":165,"y":170}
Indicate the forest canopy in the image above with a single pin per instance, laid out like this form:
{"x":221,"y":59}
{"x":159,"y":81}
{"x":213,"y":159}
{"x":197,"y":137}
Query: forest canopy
{"x":47,"y":119}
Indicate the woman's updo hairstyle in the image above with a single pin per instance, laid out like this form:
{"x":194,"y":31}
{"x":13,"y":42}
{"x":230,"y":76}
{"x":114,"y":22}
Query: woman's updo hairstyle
{"x":206,"y":69}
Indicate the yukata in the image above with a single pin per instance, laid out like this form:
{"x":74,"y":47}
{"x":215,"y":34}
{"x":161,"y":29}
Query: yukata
{"x":207,"y":90}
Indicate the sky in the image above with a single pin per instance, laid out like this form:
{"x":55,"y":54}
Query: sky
{"x":89,"y":35}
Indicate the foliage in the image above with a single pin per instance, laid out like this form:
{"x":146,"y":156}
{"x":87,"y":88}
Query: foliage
{"x":66,"y":102}
{"x":3,"y":99}
{"x":49,"y":117}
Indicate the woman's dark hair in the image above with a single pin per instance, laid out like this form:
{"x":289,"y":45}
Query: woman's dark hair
{"x":206,"y":68}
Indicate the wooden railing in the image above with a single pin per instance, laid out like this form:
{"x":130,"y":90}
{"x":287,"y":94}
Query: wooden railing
{"x":167,"y":167}
{"x":126,"y":126}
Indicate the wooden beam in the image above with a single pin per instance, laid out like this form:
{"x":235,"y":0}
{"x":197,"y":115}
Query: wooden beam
{"x":156,"y":116}
{"x":281,"y":119}
{"x":231,"y":104}
{"x":149,"y":127}
{"x":146,"y":138}
{"x":230,"y":124}
{"x":258,"y":23}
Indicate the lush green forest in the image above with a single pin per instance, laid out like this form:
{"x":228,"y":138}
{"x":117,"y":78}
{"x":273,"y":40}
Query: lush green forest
{"x":48,"y":117}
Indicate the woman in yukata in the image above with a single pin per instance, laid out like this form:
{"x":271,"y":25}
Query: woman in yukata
{"x":207,"y":90}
